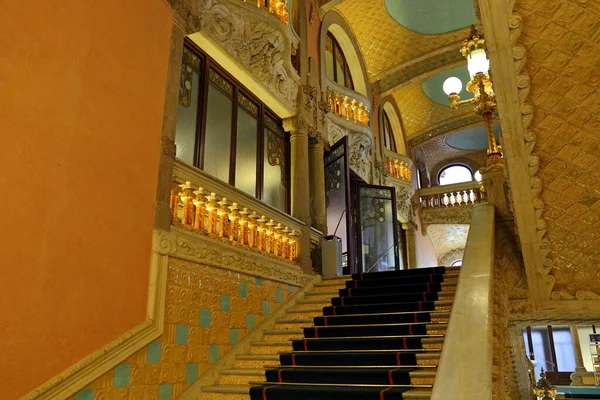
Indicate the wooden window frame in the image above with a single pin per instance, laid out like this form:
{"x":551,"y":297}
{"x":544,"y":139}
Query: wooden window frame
{"x":207,"y":63}
{"x":389,"y":141}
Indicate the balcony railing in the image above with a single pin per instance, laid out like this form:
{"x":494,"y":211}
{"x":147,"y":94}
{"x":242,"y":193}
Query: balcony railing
{"x":397,"y":165}
{"x":208,"y":206}
{"x":349,"y":105}
{"x":275,"y":7}
{"x":459,"y":194}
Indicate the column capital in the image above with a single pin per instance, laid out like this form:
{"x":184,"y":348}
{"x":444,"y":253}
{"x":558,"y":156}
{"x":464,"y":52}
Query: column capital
{"x":297,"y":124}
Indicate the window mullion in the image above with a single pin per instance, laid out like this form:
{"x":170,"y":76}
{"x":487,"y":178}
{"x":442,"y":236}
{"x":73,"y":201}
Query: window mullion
{"x":260,"y":157}
{"x":232,"y":151}
{"x":201,"y":116}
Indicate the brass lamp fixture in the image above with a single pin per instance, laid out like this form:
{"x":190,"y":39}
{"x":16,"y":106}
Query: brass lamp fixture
{"x":484,"y":100}
{"x":543,"y":389}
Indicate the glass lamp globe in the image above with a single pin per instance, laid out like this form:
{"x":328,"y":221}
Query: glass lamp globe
{"x":477,"y":61}
{"x":452,"y":85}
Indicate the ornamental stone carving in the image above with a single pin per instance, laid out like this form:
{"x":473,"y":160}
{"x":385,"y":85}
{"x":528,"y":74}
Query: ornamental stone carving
{"x":404,"y":195}
{"x":446,"y":215}
{"x":359,"y":145}
{"x":260,"y":42}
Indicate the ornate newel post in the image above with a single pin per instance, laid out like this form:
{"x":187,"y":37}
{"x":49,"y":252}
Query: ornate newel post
{"x":300,"y":190}
{"x":163,"y":216}
{"x":493,"y":181}
{"x":316,"y":150}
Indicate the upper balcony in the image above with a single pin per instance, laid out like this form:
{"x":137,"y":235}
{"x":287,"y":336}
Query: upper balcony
{"x":348,"y":104}
{"x":398,"y":167}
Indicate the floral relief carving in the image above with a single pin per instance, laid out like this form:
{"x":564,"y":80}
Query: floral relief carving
{"x":359,"y":145}
{"x":446,"y":215}
{"x":260,"y":44}
{"x":181,"y":244}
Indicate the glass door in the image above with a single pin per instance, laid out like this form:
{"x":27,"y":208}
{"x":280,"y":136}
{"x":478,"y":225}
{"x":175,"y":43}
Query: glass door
{"x":337,"y":198}
{"x":378,"y":229}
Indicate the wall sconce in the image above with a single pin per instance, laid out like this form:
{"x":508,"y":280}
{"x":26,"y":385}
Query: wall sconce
{"x":484,"y":100}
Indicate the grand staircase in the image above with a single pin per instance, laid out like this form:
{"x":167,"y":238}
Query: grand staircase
{"x":375,"y":336}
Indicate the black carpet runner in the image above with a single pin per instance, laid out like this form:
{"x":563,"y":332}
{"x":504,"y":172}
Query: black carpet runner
{"x":366,"y":343}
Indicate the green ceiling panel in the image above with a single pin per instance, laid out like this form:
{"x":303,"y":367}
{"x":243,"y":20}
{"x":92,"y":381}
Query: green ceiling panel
{"x":432,"y":17}
{"x":433,"y":86}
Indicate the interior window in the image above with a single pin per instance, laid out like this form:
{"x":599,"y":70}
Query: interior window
{"x":336,"y":66}
{"x":388,"y":135}
{"x":454,"y":174}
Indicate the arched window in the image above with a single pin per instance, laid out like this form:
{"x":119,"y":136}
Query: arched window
{"x":455,"y":173}
{"x":335,"y":63}
{"x":457,"y":263}
{"x":388,"y":135}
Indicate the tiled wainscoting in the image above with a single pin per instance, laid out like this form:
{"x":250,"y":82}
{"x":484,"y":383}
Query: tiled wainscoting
{"x":208,"y":310}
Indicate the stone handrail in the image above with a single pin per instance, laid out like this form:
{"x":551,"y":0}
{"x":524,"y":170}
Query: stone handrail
{"x":458,"y":194}
{"x":348,"y":104}
{"x":465,"y":368}
{"x":397,"y":165}
{"x":209,"y":206}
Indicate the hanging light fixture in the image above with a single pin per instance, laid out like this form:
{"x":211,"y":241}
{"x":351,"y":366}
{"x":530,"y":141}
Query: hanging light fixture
{"x":484,"y":99}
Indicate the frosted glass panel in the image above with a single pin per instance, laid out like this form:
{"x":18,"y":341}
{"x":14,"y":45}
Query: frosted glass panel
{"x":185,"y":129}
{"x":218,"y":134}
{"x":340,"y":73}
{"x":245,"y":160}
{"x":274,"y":166}
{"x":377,"y":229}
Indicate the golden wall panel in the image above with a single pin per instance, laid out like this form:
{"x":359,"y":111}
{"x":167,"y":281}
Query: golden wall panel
{"x":563,"y":59}
{"x":208,"y":311}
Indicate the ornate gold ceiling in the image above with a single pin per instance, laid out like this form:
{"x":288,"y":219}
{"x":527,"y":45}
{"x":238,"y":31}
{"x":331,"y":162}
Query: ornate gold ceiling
{"x":448,"y":237}
{"x":384,"y":43}
{"x":420,"y":113}
{"x":563,"y":60}
{"x":436,"y":150}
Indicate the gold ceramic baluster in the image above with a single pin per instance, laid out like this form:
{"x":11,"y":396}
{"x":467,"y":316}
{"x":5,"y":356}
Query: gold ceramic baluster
{"x":244,"y":226}
{"x":174,"y":203}
{"x":234,"y":224}
{"x":200,"y":205}
{"x":261,"y":234}
{"x":253,"y":231}
{"x":285,"y":244}
{"x":353,"y":111}
{"x":277,"y":240}
{"x":269,"y":237}
{"x":211,"y":209}
{"x":223,"y":218}
{"x":260,"y":3}
{"x":293,"y":246}
{"x":188,"y":206}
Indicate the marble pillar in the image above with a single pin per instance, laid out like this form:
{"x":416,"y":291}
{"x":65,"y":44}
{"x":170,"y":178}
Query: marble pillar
{"x":162,"y":216}
{"x":411,"y":246}
{"x":300,"y":187}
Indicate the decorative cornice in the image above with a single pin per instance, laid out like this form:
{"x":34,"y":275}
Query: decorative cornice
{"x":446,"y":215}
{"x":180,"y":243}
{"x":445,"y":128}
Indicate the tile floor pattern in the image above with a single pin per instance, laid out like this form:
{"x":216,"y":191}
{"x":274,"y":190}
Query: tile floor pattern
{"x":208,"y":311}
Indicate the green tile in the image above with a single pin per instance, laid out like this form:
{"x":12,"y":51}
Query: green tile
{"x":214,"y":353}
{"x":122,"y":375}
{"x":234,"y":336}
{"x":191,"y":373}
{"x":154,"y":350}
{"x":243,"y":290}
{"x":87,"y":394}
{"x":266,"y":307}
{"x":225,"y":303}
{"x":291,"y":288}
{"x":205,"y":317}
{"x":258,"y":281}
{"x":181,"y":334}
{"x":165,"y":391}
{"x":250,"y":321}
{"x":278,"y":295}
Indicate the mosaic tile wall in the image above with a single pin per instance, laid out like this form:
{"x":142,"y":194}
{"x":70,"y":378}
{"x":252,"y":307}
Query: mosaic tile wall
{"x":208,"y":311}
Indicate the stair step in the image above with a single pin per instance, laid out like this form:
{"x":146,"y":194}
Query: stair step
{"x":226,"y":392}
{"x":417,"y":394}
{"x":325,"y":294}
{"x":271,"y":348}
{"x":429,"y":358}
{"x":337,"y":278}
{"x":280,"y":335}
{"x":256,"y":361}
{"x":240,"y":376}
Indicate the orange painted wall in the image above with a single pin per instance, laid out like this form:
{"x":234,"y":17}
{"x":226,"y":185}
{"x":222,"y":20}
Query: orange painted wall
{"x":81,"y":98}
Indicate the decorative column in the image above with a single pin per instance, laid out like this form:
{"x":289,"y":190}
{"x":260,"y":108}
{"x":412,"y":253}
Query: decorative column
{"x":493,"y":180}
{"x":300,"y":188}
{"x":411,"y":246}
{"x":162,"y":215}
{"x":316,"y":150}
{"x":577,"y":376}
